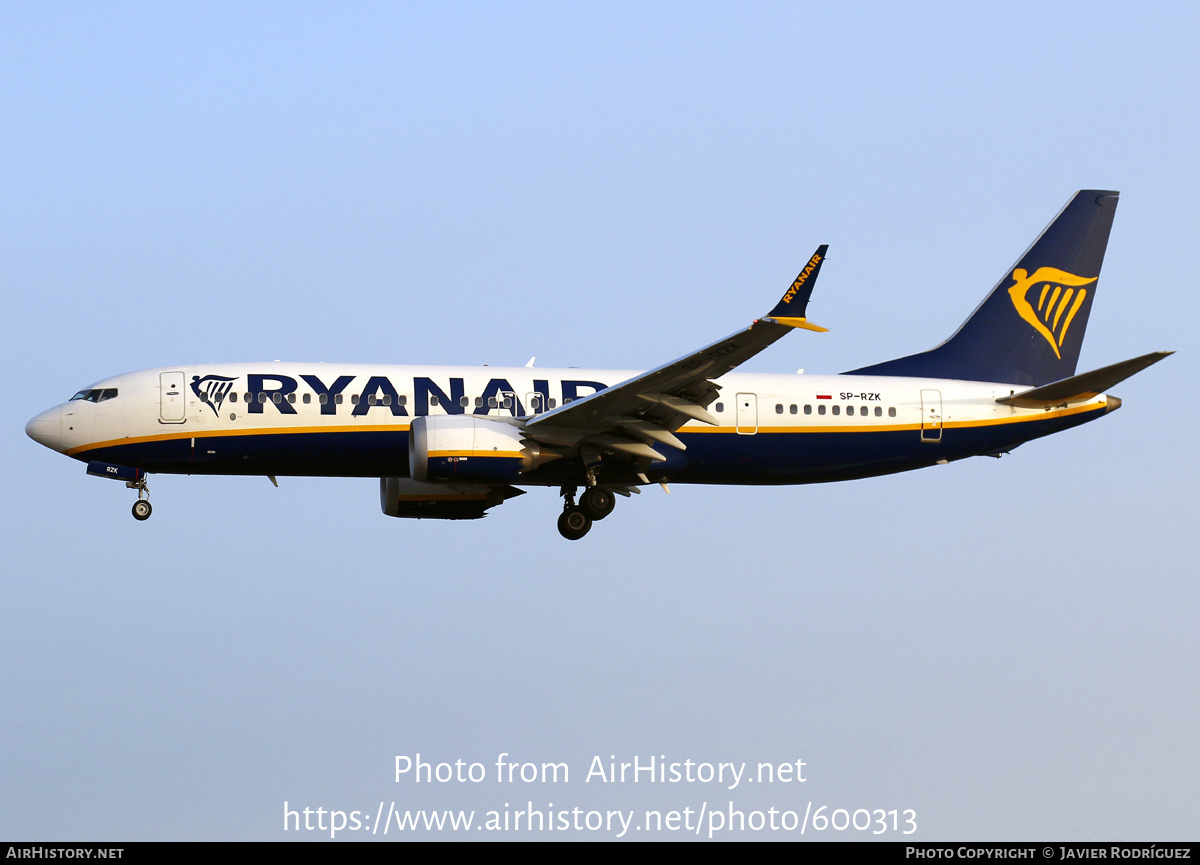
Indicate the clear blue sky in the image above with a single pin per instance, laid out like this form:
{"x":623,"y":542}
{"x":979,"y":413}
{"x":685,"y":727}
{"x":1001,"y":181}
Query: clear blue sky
{"x":1007,"y":647}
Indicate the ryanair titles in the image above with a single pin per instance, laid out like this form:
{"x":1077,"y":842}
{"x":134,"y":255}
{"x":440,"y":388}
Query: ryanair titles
{"x":802,"y":278}
{"x":360,"y":395}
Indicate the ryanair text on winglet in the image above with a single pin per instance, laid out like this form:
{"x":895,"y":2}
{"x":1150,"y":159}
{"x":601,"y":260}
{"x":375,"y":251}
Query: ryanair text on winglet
{"x":808,"y":268}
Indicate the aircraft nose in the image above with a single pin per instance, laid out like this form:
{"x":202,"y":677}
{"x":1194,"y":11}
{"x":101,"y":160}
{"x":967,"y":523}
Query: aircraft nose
{"x":46,"y":428}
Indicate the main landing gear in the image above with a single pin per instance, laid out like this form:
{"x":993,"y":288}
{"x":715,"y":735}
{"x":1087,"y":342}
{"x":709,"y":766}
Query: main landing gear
{"x":576,"y":520}
{"x":141,"y":508}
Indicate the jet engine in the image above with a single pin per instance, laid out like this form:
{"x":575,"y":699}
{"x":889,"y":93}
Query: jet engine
{"x":401,"y":497}
{"x":462,"y":448}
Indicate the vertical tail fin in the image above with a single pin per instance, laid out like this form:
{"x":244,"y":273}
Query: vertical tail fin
{"x":1029,"y":330}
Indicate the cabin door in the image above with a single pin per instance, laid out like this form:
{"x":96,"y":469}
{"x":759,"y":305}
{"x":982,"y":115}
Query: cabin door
{"x":747,"y":414}
{"x":931,"y":415}
{"x":172,"y":404}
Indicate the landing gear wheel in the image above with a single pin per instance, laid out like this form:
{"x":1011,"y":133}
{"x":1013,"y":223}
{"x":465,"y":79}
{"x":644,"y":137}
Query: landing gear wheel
{"x":141,"y":509}
{"x":597,"y":502}
{"x":573,"y":524}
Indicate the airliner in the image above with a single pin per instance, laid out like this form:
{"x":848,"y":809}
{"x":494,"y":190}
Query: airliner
{"x":452,"y":442}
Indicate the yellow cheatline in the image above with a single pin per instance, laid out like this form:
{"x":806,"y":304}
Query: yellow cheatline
{"x":476,"y":454}
{"x":866,"y":427}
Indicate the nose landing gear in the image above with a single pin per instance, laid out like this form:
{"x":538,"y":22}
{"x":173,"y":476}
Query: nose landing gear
{"x":141,"y":508}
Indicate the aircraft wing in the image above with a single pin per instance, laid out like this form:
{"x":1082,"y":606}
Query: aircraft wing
{"x":634,"y":416}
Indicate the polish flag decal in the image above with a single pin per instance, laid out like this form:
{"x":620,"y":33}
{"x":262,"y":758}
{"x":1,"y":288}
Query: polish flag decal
{"x":824,"y":396}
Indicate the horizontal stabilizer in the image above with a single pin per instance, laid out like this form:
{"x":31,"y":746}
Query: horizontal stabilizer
{"x":1083,"y":387}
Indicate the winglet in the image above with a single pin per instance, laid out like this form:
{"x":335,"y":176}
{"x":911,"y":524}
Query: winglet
{"x":793,"y":305}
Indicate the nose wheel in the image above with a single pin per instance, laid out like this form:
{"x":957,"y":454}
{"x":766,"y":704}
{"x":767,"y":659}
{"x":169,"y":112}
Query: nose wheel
{"x":141,"y":508}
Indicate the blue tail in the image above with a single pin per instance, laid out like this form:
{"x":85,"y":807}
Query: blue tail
{"x":1029,"y":330}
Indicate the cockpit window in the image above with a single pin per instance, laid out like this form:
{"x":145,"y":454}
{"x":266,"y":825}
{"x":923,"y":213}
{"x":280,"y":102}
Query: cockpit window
{"x":95,"y":394}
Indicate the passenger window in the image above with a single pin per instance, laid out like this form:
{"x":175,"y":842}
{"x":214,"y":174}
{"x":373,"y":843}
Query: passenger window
{"x":491,"y":402}
{"x":462,"y":400}
{"x":433,"y":400}
{"x":246,"y":398}
{"x":402,"y":400}
{"x":792,"y":408}
{"x":337,"y":399}
{"x":778,"y":408}
{"x":720,"y":407}
{"x":323,"y":399}
{"x":353,"y":399}
{"x":262,"y":398}
{"x":276,"y":398}
{"x":307,"y":398}
{"x":371,"y":399}
{"x":878,"y":411}
{"x":552,"y":403}
{"x":387,"y":399}
{"x":862,"y":410}
{"x":291,"y":397}
{"x":478,"y":401}
{"x":837,"y":409}
{"x":891,"y":412}
{"x":233,"y":396}
{"x":808,"y":409}
{"x":821,"y":409}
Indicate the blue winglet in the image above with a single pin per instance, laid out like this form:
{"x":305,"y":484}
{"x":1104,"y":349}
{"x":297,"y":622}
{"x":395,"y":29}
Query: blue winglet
{"x":793,"y":306}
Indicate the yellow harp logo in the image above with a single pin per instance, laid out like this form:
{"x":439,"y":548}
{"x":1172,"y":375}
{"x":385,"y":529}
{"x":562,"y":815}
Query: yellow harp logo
{"x":1060,"y":297}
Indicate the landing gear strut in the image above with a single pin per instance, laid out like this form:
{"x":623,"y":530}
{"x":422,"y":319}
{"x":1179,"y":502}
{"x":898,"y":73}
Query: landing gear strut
{"x":141,"y":508}
{"x":574,"y":522}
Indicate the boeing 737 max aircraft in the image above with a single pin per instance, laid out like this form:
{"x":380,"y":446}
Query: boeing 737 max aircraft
{"x":452,"y":442}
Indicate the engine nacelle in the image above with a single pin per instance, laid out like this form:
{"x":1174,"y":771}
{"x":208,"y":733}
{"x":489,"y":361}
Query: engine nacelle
{"x":401,"y":497}
{"x":462,"y":448}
